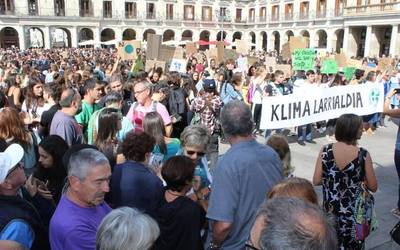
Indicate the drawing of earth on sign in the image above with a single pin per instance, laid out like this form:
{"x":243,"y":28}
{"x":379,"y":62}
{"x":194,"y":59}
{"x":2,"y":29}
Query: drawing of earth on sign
{"x":374,"y":96}
{"x":129,"y":49}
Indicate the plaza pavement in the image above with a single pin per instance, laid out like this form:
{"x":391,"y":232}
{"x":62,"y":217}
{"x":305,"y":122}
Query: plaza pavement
{"x":381,"y":147}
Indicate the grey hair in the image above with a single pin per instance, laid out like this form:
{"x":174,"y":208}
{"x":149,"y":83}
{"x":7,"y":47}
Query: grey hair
{"x":82,"y":161}
{"x":113,"y":97}
{"x":295,"y":224}
{"x":195,"y":135}
{"x":236,"y":119}
{"x":146,"y":84}
{"x":126,"y":228}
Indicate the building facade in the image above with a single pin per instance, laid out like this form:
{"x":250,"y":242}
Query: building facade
{"x":358,"y":27}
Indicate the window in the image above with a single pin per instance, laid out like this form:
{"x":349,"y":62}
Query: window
{"x":289,"y":11}
{"x":263,"y":14}
{"x":85,"y":8}
{"x":321,"y":8}
{"x":107,"y":9}
{"x":32,"y":8}
{"x":222,"y":12}
{"x":169,"y":12}
{"x":252,"y":14}
{"x":206,"y":13}
{"x":151,"y":11}
{"x":59,"y":8}
{"x":6,"y":7}
{"x":304,"y":7}
{"x":130,"y":10}
{"x":238,"y":15}
{"x":275,"y":13}
{"x":339,"y":7}
{"x":188,"y":12}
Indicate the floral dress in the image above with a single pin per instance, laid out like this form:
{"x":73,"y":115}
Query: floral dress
{"x":339,"y":189}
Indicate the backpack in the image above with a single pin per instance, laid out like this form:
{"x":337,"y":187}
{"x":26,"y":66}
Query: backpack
{"x":176,"y":101}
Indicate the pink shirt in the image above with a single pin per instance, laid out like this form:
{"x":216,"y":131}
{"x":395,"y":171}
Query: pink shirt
{"x":137,"y":114}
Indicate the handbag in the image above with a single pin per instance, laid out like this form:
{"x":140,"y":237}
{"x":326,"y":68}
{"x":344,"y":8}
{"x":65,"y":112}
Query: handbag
{"x":395,"y":233}
{"x":364,"y":212}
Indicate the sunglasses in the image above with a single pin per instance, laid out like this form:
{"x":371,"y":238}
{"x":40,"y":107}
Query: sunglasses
{"x":200,"y":154}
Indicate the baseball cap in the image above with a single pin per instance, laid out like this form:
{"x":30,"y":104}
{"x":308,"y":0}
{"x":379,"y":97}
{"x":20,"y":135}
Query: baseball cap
{"x":9,"y":159}
{"x":209,"y":83}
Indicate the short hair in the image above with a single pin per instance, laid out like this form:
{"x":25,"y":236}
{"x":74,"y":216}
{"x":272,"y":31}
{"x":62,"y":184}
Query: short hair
{"x":136,"y":145}
{"x":126,"y":228}
{"x":236,"y":119}
{"x":146,"y":84}
{"x":177,"y":171}
{"x":67,"y":97}
{"x":116,"y":77}
{"x":292,"y":223}
{"x":113,"y":97}
{"x":54,"y":90}
{"x":278,"y":72}
{"x":310,"y":72}
{"x":294,"y":187}
{"x":281,"y":146}
{"x":82,"y":161}
{"x":89,"y":84}
{"x":195,"y":135}
{"x":348,"y":128}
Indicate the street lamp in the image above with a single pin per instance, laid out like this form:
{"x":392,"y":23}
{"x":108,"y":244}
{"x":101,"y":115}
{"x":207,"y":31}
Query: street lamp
{"x":221,"y":15}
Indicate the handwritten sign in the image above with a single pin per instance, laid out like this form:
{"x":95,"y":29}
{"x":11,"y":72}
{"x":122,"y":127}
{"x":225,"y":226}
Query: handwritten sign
{"x":341,"y":60}
{"x":349,"y":72}
{"x":242,"y":47}
{"x":178,"y":65}
{"x":329,"y":66}
{"x":303,"y":59}
{"x":191,"y":48}
{"x":128,"y":50}
{"x":154,"y":64}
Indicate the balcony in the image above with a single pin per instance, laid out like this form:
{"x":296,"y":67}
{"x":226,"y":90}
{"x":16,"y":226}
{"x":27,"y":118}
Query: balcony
{"x":320,"y":14}
{"x":372,"y":9}
{"x":304,"y":16}
{"x":288,"y":16}
{"x":7,"y":12}
{"x":150,"y":16}
{"x":130,"y":15}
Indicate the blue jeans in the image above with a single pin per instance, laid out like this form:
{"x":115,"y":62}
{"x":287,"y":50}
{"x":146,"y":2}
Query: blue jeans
{"x":397,"y":164}
{"x":300,"y":132}
{"x":269,"y":131}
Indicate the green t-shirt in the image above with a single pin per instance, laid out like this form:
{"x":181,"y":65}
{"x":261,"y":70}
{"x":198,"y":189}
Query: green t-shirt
{"x":84,"y":116}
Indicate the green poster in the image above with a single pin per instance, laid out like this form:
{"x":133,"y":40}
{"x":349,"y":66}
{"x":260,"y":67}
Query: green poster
{"x":348,"y":72}
{"x":303,"y":59}
{"x":329,"y":66}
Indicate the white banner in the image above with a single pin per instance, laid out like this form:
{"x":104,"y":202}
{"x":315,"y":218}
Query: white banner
{"x":313,"y":104}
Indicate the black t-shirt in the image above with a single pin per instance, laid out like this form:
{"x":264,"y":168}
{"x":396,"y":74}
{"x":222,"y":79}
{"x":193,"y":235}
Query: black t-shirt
{"x":180,"y":224}
{"x":46,"y":118}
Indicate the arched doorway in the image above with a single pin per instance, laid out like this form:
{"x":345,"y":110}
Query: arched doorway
{"x":204,"y":36}
{"x":187,"y":35}
{"x":322,"y":38}
{"x":85,"y":34}
{"x":107,"y":35}
{"x":129,"y":34}
{"x":306,"y":34}
{"x":61,"y":37}
{"x":148,"y":31}
{"x":339,"y":40}
{"x":219,"y":36}
{"x":168,"y":35}
{"x":36,"y":37}
{"x":264,"y":40}
{"x":236,"y":35}
{"x":289,"y":34}
{"x":252,"y":37}
{"x":277,"y":41}
{"x":9,"y":37}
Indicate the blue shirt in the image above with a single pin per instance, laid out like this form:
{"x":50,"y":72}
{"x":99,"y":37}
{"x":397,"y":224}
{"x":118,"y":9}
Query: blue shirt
{"x":241,"y":180}
{"x":18,"y":231}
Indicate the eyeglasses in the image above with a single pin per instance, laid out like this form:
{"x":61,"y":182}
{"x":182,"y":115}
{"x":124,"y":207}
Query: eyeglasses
{"x":199,"y":154}
{"x":139,"y":92}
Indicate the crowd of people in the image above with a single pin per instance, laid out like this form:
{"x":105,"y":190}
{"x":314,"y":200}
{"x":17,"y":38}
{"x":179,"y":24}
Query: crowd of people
{"x":97,"y":153}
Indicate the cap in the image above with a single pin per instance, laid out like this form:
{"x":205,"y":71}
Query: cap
{"x":209,"y":83}
{"x":9,"y":159}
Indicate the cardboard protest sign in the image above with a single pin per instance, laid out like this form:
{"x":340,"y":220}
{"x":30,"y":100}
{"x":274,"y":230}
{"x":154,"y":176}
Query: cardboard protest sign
{"x":220,"y":51}
{"x":270,"y":64}
{"x":349,"y":72}
{"x":242,"y":63}
{"x":201,"y":57}
{"x":153,"y":46}
{"x":178,"y":53}
{"x":166,"y":53}
{"x":154,"y":63}
{"x":242,"y":47}
{"x":178,"y":65}
{"x":286,"y":68}
{"x":286,"y":54}
{"x":303,"y":59}
{"x":128,"y":50}
{"x":297,"y":42}
{"x":212,"y":53}
{"x":191,"y":48}
{"x":230,"y":54}
{"x":329,"y":66}
{"x":341,"y":60}
{"x":385,"y":64}
{"x":354,"y":63}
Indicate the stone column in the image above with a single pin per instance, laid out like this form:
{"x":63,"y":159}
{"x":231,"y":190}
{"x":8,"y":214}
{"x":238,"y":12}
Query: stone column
{"x":393,"y":39}
{"x":346,"y":40}
{"x":74,"y":37}
{"x":21,"y":37}
{"x":368,"y":41}
{"x":97,"y":36}
{"x":47,"y":39}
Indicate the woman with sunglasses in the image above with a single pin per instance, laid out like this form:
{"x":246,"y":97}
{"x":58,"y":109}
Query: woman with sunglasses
{"x":195,"y":140}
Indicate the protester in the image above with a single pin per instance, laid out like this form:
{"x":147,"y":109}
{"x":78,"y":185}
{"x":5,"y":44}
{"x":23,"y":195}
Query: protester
{"x":340,"y":187}
{"x":64,"y":123}
{"x":131,"y":178}
{"x":247,"y":166}
{"x":127,"y":228}
{"x":19,"y":220}
{"x":52,"y":94}
{"x":83,"y":202}
{"x":294,"y":187}
{"x":181,"y":219}
{"x":14,"y":91}
{"x":281,"y":146}
{"x":34,"y":103}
